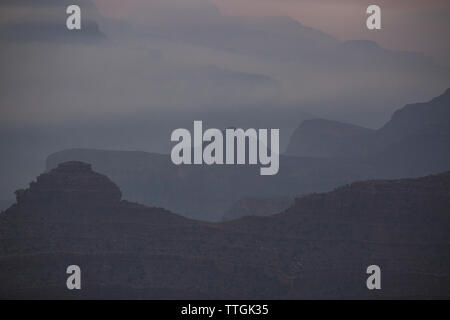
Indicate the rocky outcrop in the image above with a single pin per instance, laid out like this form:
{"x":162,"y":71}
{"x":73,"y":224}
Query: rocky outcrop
{"x":70,"y":184}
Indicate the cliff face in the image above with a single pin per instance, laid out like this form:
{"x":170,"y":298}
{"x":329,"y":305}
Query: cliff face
{"x":318,"y":248}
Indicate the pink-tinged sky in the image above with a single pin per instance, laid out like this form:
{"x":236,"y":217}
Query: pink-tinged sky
{"x":413,"y":25}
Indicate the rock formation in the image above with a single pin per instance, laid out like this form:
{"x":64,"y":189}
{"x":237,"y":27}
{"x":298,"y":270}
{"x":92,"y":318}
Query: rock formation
{"x":318,"y":248}
{"x":70,"y":184}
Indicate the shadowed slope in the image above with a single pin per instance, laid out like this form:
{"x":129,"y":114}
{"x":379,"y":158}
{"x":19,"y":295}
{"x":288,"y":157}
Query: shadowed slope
{"x":319,"y":248}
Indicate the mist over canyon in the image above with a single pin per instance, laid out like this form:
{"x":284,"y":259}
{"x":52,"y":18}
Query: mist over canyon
{"x":126,"y":82}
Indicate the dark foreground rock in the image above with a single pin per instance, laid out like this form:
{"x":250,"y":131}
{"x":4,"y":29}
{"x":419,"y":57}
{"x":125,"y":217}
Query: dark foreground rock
{"x":318,"y":248}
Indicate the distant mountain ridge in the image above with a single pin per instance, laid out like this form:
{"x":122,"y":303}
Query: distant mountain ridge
{"x":206,"y":192}
{"x":419,"y":116}
{"x":333,"y":154}
{"x":318,"y":248}
{"x":252,"y":72}
{"x":414,"y":142}
{"x":323,"y":138}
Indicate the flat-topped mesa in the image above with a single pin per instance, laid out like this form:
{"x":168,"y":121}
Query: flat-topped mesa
{"x":71,"y":183}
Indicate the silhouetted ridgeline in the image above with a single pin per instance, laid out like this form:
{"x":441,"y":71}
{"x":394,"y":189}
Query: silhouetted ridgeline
{"x":323,"y":138}
{"x":5,"y":204}
{"x":415,"y":142}
{"x":319,"y":248}
{"x":206,"y":192}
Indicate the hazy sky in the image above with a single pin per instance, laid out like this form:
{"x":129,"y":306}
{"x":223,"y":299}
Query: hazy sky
{"x":412,"y":25}
{"x":184,"y":54}
{"x":126,"y":83}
